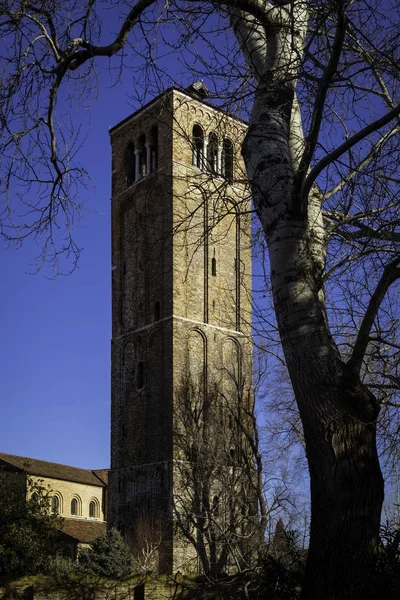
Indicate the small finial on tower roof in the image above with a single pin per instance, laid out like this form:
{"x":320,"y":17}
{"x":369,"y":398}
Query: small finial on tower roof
{"x":199,"y":89}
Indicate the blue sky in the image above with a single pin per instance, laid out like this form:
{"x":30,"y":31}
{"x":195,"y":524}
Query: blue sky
{"x":55,"y":351}
{"x":55,"y":355}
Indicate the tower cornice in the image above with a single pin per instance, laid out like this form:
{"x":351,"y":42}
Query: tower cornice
{"x":185,"y":94}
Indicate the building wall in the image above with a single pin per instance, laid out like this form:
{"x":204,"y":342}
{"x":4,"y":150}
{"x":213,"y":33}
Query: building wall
{"x":141,"y":441}
{"x":181,"y":300}
{"x":66,"y":491}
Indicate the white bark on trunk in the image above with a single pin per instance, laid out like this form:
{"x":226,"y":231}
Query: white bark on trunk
{"x":337,"y":411}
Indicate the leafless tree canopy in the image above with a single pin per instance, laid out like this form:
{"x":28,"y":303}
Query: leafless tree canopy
{"x":319,"y":83}
{"x":347,"y":90}
{"x":220,"y":508}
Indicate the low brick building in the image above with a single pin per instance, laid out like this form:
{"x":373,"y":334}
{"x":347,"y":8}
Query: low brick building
{"x":79,"y":496}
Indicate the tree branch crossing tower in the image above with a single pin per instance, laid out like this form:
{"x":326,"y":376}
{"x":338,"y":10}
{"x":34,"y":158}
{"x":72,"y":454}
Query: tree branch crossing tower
{"x":181,"y":327}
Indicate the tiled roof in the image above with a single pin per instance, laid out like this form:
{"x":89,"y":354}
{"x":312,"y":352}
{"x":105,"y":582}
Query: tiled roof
{"x":83,"y":530}
{"x":43,"y":468}
{"x":102,"y":474}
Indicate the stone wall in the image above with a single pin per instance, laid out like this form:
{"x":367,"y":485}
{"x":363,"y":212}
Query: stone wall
{"x":66,"y":491}
{"x":146,"y":588}
{"x":181,"y":276}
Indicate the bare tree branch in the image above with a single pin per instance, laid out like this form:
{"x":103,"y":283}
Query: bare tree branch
{"x":319,"y":106}
{"x":346,"y":146}
{"x":390,"y":274}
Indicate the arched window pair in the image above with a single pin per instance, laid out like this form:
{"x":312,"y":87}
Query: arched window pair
{"x":76,"y":507}
{"x":141,"y":157}
{"x":218,"y":160}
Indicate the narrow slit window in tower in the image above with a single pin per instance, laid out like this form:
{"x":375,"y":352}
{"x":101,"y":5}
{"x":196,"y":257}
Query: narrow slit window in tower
{"x":140,"y":376}
{"x":213,"y":266}
{"x":157,"y":311}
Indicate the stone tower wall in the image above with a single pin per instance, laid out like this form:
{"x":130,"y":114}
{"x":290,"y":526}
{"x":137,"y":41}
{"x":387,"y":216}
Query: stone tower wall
{"x":181,"y":303}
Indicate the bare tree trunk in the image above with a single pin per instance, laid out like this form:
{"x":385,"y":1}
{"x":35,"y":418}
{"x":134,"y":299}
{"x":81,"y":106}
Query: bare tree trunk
{"x":339,"y":419}
{"x":338,"y":412}
{"x":346,"y":498}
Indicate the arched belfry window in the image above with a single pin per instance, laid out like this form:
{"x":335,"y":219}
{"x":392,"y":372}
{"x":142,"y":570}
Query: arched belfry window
{"x":129,"y":163}
{"x":198,"y":146}
{"x":153,"y":149}
{"x":227,"y":159}
{"x":212,"y":153}
{"x":141,"y":156}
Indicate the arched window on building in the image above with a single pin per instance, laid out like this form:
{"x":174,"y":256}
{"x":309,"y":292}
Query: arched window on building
{"x":227,"y":159}
{"x":153,"y":149}
{"x":198,"y":146}
{"x":55,"y":504}
{"x":129,"y":163}
{"x":74,"y":506}
{"x":212,"y":153}
{"x":94,"y":509}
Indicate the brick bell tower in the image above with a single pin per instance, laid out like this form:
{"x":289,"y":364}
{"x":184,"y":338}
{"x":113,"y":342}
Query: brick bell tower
{"x":181,"y":313}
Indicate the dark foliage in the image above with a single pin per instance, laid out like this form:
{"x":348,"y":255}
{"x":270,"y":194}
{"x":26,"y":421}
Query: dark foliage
{"x":384,"y":581}
{"x":108,"y":556}
{"x":278,"y":580}
{"x":28,"y":534}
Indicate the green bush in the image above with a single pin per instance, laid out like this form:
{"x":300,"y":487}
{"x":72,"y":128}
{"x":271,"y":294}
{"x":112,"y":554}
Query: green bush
{"x":108,"y":556}
{"x":28,"y":534}
{"x":60,"y":567}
